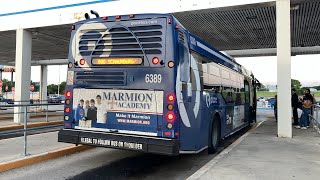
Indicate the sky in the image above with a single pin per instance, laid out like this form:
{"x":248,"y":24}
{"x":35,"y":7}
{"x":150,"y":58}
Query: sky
{"x":304,"y":68}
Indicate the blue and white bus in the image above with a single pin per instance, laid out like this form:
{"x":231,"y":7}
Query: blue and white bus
{"x":144,"y":82}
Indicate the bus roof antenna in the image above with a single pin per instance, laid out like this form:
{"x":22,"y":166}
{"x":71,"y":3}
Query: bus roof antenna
{"x":95,"y":13}
{"x":86,"y":15}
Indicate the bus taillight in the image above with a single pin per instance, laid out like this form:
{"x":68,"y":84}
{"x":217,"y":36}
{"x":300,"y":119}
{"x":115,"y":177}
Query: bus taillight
{"x":170,"y":116}
{"x":171,"y":97}
{"x":67,"y":110}
{"x":131,"y":16}
{"x":68,"y":94}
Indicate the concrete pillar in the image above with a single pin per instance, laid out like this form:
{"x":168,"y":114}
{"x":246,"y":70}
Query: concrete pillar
{"x":284,"y":68}
{"x":43,"y":85}
{"x":23,"y":71}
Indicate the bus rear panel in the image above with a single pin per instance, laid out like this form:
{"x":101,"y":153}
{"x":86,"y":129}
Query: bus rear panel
{"x":120,"y":88}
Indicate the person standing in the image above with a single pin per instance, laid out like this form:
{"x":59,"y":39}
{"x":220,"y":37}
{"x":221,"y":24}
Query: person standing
{"x":294,"y":105}
{"x":306,"y":109}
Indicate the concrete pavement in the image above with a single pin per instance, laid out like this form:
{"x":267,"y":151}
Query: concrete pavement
{"x":262,"y":155}
{"x":11,"y":149}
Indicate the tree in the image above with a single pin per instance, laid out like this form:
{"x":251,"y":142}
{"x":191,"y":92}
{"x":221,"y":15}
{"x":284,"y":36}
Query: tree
{"x":52,"y":89}
{"x":297,"y":86}
{"x":62,"y":87}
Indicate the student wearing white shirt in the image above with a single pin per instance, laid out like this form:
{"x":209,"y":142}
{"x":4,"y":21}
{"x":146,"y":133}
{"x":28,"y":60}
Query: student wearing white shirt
{"x":101,"y":111}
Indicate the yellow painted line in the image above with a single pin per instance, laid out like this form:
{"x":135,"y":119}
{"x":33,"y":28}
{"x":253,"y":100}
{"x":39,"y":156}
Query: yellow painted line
{"x":29,"y":160}
{"x":223,"y":153}
{"x":31,"y":125}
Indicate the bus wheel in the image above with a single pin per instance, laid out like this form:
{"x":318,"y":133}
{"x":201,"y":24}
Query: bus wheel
{"x":214,"y":138}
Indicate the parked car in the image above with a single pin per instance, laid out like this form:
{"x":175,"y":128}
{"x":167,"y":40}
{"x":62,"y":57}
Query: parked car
{"x":3,"y":99}
{"x":54,"y":99}
{"x":271,"y":101}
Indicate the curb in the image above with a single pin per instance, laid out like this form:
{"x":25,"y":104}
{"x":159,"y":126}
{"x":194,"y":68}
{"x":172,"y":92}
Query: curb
{"x":216,"y":159}
{"x":7,"y":128}
{"x":29,"y":160}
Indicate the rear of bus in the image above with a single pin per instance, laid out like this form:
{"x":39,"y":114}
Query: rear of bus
{"x":120,"y":84}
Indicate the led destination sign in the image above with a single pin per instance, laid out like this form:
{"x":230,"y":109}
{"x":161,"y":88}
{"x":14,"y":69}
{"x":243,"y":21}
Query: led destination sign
{"x":117,"y":61}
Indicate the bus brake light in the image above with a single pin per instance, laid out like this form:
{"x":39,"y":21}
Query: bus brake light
{"x":68,"y":94}
{"x":131,"y":16}
{"x":170,"y":116}
{"x":118,"y":17}
{"x":67,"y":110}
{"x":171,"y":97}
{"x":104,"y":18}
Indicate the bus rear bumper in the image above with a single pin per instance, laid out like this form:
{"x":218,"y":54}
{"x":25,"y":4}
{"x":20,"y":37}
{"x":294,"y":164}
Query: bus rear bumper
{"x":120,"y":141}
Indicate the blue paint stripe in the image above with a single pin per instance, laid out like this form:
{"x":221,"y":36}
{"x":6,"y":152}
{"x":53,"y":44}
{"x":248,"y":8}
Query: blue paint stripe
{"x":55,"y":7}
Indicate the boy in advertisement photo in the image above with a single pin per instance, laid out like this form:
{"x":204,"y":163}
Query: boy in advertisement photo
{"x":86,"y":108}
{"x":92,"y":111}
{"x":79,"y":111}
{"x":101,"y":111}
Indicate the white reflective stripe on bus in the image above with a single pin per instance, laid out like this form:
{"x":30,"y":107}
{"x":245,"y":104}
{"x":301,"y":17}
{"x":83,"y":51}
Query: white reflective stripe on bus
{"x":118,"y":131}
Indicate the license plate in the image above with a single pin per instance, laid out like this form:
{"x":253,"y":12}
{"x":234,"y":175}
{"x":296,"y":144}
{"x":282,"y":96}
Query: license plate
{"x":85,"y":124}
{"x":112,"y":143}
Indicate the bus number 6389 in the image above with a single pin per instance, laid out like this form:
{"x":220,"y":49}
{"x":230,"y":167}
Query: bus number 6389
{"x":153,"y":78}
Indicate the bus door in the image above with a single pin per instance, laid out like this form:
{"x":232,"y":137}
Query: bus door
{"x":247,"y":100}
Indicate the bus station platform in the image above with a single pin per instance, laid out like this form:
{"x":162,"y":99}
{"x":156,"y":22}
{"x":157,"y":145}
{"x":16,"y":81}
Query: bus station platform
{"x":262,"y":155}
{"x":40,"y":147}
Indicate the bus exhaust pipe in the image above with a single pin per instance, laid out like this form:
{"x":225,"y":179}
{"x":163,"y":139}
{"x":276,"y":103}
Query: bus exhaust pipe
{"x":95,"y":13}
{"x":86,"y":15}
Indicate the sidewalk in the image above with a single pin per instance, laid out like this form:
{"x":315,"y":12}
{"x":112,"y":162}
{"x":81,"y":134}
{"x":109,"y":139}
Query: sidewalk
{"x":11,"y":149}
{"x":262,"y":155}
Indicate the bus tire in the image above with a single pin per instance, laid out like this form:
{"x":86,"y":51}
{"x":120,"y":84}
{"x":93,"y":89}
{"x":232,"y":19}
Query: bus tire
{"x":214,"y":135}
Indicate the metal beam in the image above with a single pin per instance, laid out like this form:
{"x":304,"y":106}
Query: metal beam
{"x":46,"y":62}
{"x":272,"y":51}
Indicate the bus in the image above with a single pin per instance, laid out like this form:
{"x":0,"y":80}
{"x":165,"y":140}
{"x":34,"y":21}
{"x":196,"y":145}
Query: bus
{"x":144,"y":82}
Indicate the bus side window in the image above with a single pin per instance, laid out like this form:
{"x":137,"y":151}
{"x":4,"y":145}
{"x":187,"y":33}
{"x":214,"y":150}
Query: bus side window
{"x":184,"y":60}
{"x":247,"y":91}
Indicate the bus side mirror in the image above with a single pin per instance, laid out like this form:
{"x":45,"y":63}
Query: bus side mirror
{"x":258,"y":85}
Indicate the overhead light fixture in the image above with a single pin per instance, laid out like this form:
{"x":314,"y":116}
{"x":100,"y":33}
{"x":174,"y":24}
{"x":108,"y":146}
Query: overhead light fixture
{"x":251,"y":17}
{"x":294,"y":8}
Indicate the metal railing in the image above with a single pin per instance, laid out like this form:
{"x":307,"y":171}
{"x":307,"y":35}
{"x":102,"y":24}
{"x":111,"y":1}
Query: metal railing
{"x":25,"y":106}
{"x":314,"y":120}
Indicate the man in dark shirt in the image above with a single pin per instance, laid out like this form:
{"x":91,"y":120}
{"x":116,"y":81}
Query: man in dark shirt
{"x":294,"y":105}
{"x":92,"y":112}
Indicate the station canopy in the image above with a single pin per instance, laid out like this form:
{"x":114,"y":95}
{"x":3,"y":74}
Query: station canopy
{"x":245,"y":30}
